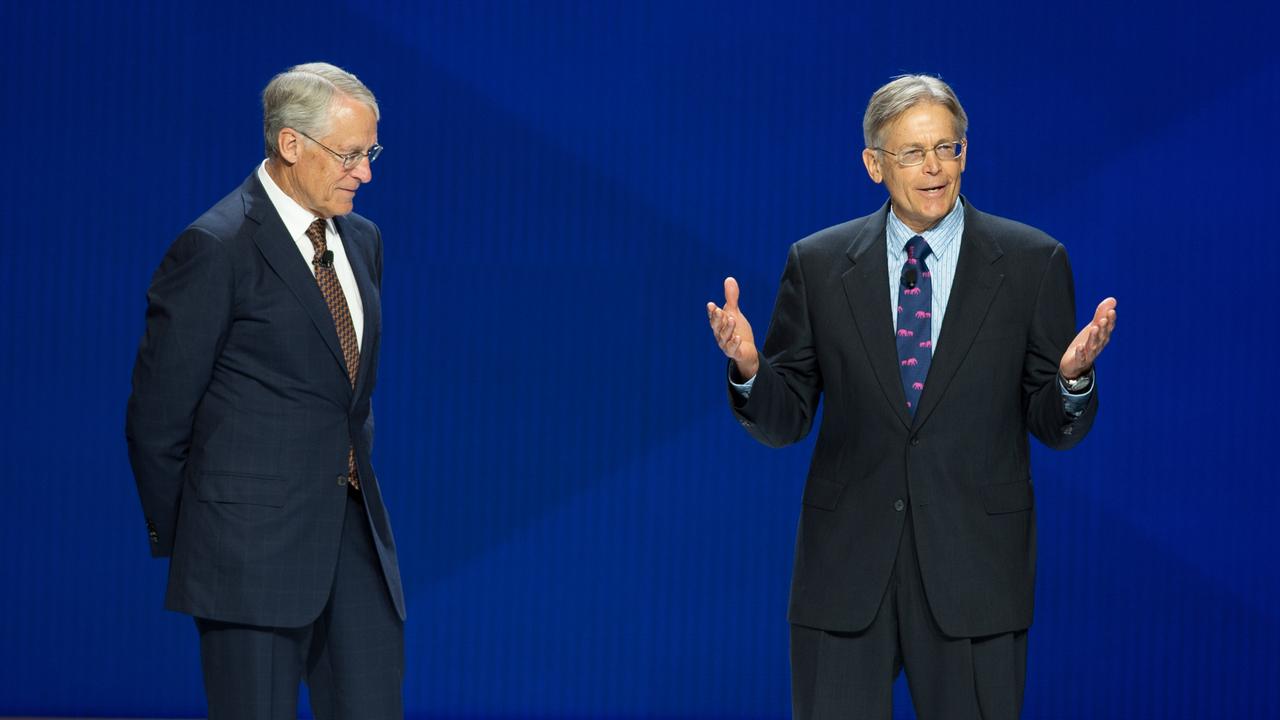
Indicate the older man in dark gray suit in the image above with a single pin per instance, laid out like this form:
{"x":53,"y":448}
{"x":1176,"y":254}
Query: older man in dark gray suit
{"x":940,"y":336}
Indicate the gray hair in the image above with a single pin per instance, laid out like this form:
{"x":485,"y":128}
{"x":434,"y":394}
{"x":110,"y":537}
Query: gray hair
{"x":903,"y":93}
{"x":301,"y":96}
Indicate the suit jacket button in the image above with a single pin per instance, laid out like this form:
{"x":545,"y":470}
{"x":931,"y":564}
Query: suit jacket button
{"x":915,"y":440}
{"x":899,"y":505}
{"x":342,"y":480}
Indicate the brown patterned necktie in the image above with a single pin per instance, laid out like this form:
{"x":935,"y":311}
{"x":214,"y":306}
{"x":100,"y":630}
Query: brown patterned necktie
{"x":337,"y":302}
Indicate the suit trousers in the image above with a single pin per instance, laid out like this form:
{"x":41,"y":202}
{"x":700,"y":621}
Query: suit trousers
{"x":850,"y":675}
{"x":351,"y":657}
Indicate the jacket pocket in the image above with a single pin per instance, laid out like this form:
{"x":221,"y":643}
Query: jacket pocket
{"x":1008,"y":497}
{"x":240,"y":488}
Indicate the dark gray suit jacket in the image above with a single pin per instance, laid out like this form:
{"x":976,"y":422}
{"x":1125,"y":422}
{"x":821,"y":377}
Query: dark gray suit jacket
{"x":962,"y":462}
{"x":242,"y":413}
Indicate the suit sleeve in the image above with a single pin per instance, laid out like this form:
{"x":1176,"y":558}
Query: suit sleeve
{"x":1052,"y":329}
{"x":784,"y":397}
{"x":189,"y":310}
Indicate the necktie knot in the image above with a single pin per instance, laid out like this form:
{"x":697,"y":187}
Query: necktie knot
{"x":917,"y":248}
{"x":315,"y":233}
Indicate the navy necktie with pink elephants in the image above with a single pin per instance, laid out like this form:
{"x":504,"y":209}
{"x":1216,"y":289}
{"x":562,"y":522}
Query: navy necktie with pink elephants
{"x":915,"y":321}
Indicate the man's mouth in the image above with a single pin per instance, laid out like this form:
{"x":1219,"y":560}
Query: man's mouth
{"x":933,"y":191}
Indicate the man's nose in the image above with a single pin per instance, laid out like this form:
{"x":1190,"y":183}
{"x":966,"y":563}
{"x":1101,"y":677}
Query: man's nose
{"x":363,"y":171}
{"x":932,"y":164}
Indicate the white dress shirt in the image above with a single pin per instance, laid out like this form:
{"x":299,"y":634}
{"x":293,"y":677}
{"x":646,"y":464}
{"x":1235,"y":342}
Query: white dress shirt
{"x":296,"y":220}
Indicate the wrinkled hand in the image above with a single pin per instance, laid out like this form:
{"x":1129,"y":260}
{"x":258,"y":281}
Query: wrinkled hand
{"x":733,"y":332}
{"x":1079,"y":357}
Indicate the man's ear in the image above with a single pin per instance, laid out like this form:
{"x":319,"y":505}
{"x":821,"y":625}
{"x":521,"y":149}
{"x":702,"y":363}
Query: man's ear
{"x":871,"y":159}
{"x":289,"y":145}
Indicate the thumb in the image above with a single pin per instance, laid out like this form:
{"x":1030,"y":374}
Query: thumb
{"x":730,"y":294}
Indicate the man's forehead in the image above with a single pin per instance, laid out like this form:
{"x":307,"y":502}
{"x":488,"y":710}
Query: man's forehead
{"x":922,"y":121}
{"x":352,"y":127}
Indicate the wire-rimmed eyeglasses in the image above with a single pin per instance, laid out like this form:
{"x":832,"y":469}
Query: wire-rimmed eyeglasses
{"x":950,"y":150}
{"x":349,"y":160}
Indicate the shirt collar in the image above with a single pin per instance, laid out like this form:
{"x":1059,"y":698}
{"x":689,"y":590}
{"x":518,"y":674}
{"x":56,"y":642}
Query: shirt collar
{"x":295,"y":217}
{"x":941,"y":237}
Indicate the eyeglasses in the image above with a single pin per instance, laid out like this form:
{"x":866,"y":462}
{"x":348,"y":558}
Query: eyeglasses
{"x":349,"y":160}
{"x":915,"y":156}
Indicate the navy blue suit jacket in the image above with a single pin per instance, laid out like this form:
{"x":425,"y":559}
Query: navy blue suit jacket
{"x":242,"y":414}
{"x":962,"y":462}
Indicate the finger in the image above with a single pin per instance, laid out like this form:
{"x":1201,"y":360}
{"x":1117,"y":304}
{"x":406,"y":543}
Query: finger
{"x":726,"y":329}
{"x":730,"y":295}
{"x":723,"y":341}
{"x":1105,"y":308}
{"x":1107,"y":321}
{"x":1104,"y":331}
{"x":1078,"y":357}
{"x":1096,"y":341}
{"x":1104,"y":337}
{"x":711,"y":309}
{"x":718,"y":323}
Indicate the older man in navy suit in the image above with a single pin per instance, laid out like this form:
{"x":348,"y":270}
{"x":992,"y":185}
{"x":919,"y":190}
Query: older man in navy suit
{"x":940,"y":337}
{"x":250,"y":430}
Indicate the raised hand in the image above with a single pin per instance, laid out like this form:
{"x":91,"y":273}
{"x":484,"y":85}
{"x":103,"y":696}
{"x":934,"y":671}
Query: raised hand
{"x":733,"y":332}
{"x":1079,"y":357}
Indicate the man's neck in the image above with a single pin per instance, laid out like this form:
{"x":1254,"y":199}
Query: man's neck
{"x":282,"y":175}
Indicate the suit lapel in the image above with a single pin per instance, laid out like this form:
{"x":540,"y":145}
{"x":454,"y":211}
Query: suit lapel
{"x":972,"y":291}
{"x":867,"y":290}
{"x":282,"y":255}
{"x":368,"y":299}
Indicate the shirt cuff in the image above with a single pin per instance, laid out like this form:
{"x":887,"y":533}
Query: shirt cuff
{"x":1075,"y":403}
{"x":744,"y":388}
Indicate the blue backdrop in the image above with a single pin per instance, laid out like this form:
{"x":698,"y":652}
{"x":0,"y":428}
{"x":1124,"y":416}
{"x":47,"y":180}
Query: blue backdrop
{"x":584,"y":530}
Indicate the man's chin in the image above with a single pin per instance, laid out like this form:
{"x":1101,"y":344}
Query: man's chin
{"x":937,"y":208}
